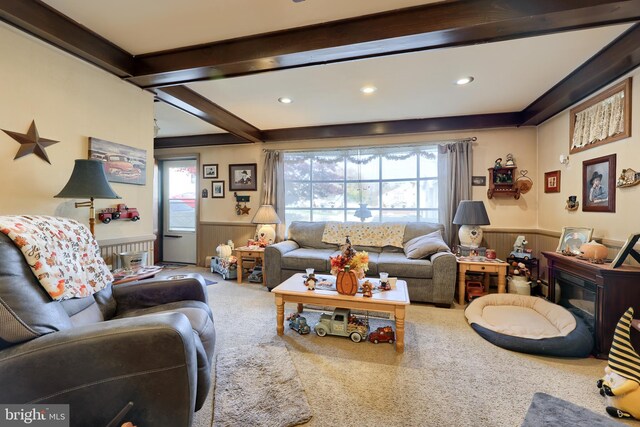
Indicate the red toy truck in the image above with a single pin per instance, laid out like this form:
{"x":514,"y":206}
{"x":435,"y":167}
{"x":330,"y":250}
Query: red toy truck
{"x":383,"y":334}
{"x":121,"y":211}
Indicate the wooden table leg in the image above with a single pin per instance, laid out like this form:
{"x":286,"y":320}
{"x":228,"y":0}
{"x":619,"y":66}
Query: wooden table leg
{"x":486,"y":277}
{"x":280,"y":314}
{"x":502,"y":281}
{"x":399,"y":329}
{"x":239,"y":269}
{"x":300,"y":307}
{"x":461,"y":284}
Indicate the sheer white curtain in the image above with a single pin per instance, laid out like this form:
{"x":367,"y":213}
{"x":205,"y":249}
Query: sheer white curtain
{"x":273,"y":187}
{"x":455,"y":167}
{"x":599,"y":121}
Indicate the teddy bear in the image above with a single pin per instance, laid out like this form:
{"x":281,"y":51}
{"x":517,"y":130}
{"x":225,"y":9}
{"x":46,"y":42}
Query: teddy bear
{"x":621,"y":382}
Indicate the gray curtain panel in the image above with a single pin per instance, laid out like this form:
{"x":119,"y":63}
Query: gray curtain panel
{"x":273,"y":187}
{"x":455,"y":167}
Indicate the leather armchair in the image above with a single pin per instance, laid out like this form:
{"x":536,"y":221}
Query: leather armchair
{"x":149,"y":342}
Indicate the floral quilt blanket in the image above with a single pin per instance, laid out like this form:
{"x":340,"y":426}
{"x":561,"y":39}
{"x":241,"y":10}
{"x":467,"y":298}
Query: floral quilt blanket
{"x":361,"y":234}
{"x":61,"y":252}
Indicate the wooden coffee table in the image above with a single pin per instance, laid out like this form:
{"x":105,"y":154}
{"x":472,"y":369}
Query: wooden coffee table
{"x":393,"y":301}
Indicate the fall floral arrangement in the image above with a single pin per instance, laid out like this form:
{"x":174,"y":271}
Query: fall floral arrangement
{"x":519,"y":269}
{"x":358,"y":262}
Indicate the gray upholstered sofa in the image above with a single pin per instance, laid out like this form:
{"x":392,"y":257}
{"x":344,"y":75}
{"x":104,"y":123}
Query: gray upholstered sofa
{"x":429,"y":280}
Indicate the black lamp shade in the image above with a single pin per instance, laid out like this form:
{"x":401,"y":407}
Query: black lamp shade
{"x":88,"y":180}
{"x":471,"y":212}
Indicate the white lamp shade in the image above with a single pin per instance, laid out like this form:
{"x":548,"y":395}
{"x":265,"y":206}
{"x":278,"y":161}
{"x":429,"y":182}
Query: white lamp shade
{"x":266,"y":215}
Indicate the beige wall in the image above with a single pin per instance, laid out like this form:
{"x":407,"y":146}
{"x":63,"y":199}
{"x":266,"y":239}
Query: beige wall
{"x":491,"y":144}
{"x":553,"y":140}
{"x":70,"y":101}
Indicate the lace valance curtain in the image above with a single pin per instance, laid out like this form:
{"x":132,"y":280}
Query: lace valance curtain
{"x":600,"y":121}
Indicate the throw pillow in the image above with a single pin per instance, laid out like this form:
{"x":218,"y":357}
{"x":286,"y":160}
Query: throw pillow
{"x":424,"y":246}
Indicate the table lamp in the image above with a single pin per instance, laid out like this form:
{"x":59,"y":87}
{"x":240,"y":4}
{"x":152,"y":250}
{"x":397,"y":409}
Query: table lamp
{"x":266,"y":216}
{"x":470,"y":215}
{"x":88,"y":180}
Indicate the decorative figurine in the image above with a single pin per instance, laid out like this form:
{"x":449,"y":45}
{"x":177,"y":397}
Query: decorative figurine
{"x":310,"y":282}
{"x":498,"y":163}
{"x":572,"y":203}
{"x":519,"y":250}
{"x":366,"y":289}
{"x":510,"y":161}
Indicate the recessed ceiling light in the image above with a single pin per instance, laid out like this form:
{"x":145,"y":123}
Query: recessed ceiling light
{"x":464,"y":81}
{"x":368,"y":89}
{"x":285,"y":100}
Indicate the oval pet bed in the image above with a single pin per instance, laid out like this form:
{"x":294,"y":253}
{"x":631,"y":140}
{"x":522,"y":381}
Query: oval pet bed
{"x":529,"y":325}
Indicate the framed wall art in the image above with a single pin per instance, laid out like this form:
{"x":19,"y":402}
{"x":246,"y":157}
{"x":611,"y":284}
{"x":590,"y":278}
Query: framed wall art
{"x":599,"y":184}
{"x":122,"y":163}
{"x":210,"y":171}
{"x":242,"y":177}
{"x":217,"y":189}
{"x":552,"y":182}
{"x":602,"y":119}
{"x":572,"y":238}
{"x":479,"y":181}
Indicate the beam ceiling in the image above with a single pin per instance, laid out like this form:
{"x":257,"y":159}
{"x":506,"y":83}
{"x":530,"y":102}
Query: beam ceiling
{"x":430,"y":26}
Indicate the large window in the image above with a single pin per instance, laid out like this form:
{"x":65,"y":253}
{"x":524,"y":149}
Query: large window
{"x":393,"y":184}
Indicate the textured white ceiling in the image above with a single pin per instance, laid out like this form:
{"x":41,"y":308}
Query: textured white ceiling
{"x":508,"y":77}
{"x":143,"y":26}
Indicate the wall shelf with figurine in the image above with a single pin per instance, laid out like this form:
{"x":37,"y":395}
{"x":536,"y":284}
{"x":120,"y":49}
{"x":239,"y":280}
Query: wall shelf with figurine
{"x":502,"y":182}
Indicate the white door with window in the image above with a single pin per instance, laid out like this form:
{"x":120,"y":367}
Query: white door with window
{"x":179,"y":211}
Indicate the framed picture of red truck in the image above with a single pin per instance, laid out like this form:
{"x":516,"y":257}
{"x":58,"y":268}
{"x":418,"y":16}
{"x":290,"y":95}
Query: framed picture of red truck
{"x":122,"y":163}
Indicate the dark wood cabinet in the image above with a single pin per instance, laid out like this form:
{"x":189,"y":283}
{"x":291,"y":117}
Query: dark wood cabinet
{"x":602,"y":292}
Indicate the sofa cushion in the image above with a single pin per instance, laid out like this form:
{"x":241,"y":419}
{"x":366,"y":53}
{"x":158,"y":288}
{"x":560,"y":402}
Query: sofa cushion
{"x":415,"y":229}
{"x":397,"y":264}
{"x":308,"y":235}
{"x":303,"y":258}
{"x":426,"y":245}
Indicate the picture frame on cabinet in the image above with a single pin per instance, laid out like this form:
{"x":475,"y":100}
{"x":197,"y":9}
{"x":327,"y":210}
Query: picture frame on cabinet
{"x":572,"y":238}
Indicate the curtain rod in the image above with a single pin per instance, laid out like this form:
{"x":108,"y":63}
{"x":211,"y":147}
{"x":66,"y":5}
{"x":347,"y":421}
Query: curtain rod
{"x":373,"y":147}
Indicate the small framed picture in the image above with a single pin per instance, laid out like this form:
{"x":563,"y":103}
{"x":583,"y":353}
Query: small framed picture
{"x":217,"y":189}
{"x":552,"y":182}
{"x":479,"y":181}
{"x":242,"y":177}
{"x":599,"y":184}
{"x":572,"y":238}
{"x":209,"y":171}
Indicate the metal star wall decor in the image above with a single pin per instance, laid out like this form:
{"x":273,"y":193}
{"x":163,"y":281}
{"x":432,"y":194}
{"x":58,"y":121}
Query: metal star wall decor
{"x":31,"y":143}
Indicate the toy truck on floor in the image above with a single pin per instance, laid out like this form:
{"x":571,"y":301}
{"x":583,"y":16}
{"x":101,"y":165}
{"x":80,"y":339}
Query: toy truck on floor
{"x":119,"y":212}
{"x":299,"y":324}
{"x":343,"y":324}
{"x":382,"y":334}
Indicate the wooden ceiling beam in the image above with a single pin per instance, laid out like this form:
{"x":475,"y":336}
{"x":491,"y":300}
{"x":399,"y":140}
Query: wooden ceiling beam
{"x":430,"y":26}
{"x":198,"y":141}
{"x":40,"y":20}
{"x":620,"y":57}
{"x":392,"y":127}
{"x":193,"y":103}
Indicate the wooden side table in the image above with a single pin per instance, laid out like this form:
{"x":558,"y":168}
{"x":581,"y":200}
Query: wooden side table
{"x":485,"y":267}
{"x":250,"y":252}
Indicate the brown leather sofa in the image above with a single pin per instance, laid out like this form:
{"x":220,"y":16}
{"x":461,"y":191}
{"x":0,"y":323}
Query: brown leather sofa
{"x":148,"y":342}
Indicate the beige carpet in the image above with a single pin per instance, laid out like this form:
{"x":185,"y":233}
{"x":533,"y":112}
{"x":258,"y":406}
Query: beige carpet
{"x":448,"y":375}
